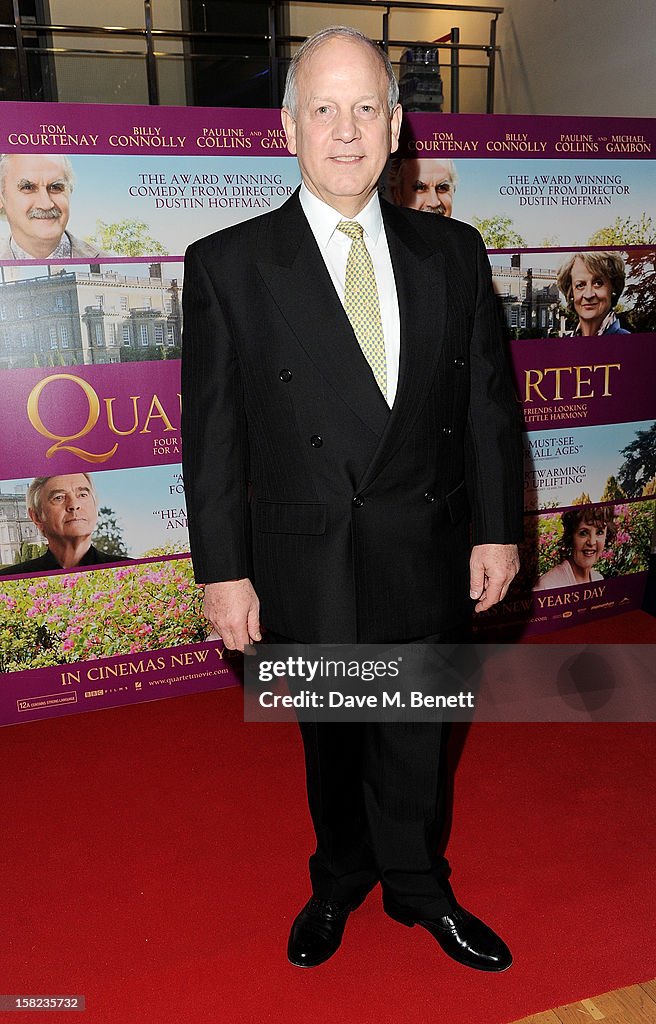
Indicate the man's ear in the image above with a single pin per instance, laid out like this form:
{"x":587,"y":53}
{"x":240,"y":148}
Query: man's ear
{"x":289,"y":125}
{"x":35,"y":519}
{"x":395,"y":127}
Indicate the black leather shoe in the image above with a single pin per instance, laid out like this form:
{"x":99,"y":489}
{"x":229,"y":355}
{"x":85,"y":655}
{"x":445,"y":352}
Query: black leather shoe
{"x":317,"y":931}
{"x":462,"y":937}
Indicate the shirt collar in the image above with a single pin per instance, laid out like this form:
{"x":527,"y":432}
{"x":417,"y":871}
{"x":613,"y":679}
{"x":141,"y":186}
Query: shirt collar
{"x":62,"y":251}
{"x":323,"y":219}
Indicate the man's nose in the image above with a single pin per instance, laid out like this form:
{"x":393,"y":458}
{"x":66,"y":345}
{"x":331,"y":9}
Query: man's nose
{"x":44,"y":199}
{"x":346,"y":127}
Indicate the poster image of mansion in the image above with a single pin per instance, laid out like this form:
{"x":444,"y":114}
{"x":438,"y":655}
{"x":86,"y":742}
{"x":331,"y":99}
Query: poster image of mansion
{"x":16,"y":527}
{"x":91,"y":314}
{"x":529,"y":296}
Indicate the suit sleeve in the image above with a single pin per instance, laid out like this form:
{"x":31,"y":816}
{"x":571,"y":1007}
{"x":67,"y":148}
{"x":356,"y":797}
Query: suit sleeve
{"x":214,"y":434}
{"x":493,"y":451}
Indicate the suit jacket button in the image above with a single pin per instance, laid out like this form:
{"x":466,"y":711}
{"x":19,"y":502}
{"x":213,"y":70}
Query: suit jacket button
{"x":358,"y":501}
{"x":429,"y":497}
{"x":447,"y":430}
{"x":285,"y":376}
{"x":316,"y":441}
{"x":459,"y":362}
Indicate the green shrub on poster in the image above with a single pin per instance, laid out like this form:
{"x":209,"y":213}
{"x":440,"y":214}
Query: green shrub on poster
{"x":81,"y":616}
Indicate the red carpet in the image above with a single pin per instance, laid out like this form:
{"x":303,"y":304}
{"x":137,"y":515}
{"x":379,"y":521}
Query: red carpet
{"x":133,"y":875}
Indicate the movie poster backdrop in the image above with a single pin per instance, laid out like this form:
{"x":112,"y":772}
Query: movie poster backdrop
{"x":91,"y":337}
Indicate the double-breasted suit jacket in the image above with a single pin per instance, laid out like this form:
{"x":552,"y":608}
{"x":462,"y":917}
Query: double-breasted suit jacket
{"x":353,"y":521}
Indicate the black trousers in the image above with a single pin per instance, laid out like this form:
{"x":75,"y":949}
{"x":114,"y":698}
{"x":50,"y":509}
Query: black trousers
{"x":376,"y":793}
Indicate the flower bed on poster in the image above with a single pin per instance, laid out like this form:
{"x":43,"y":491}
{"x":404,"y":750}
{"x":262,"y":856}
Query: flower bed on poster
{"x":81,"y":616}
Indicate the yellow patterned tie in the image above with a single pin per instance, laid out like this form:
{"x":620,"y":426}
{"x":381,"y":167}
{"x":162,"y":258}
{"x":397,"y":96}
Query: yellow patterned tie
{"x":361,"y":302}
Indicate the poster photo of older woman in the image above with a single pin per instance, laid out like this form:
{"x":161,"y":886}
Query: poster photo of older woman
{"x":592,"y":283}
{"x":587,"y":532}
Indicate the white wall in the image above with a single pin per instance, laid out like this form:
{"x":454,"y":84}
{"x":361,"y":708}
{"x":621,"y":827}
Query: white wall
{"x":595,"y":57}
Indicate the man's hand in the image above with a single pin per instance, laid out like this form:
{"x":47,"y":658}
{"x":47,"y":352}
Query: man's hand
{"x":492,"y":568}
{"x":233,"y":609}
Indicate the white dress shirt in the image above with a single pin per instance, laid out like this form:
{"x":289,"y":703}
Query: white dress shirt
{"x":334,"y":246}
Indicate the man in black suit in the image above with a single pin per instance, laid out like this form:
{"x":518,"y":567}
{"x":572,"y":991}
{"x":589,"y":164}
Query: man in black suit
{"x":371,"y":452}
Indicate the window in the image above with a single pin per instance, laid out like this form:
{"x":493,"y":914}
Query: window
{"x":127,"y":340}
{"x":52,"y":334}
{"x":59,"y":302}
{"x":20,"y":312}
{"x":170,"y":335}
{"x":112,"y":335}
{"x":159,"y":334}
{"x":100,"y":335}
{"x":143,"y":332}
{"x":124,"y":304}
{"x":3,"y":312}
{"x":63,"y":335}
{"x":23,"y":339}
{"x":100,"y":301}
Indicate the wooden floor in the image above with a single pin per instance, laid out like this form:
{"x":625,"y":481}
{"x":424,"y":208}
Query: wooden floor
{"x":634,"y":1005}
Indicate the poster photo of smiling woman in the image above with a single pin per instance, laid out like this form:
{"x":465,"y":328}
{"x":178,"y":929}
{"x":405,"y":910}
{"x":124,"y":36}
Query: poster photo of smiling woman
{"x":587,"y":532}
{"x":592,"y":283}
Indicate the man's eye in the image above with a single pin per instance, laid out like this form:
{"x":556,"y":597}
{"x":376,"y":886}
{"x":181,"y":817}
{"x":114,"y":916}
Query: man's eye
{"x":27,"y":186}
{"x":419,"y":186}
{"x":57,"y":186}
{"x":444,"y":187}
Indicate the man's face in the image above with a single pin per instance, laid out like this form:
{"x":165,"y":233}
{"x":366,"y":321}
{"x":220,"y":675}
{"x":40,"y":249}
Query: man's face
{"x":36,"y":197}
{"x":426,"y":185}
{"x":343,"y":132}
{"x":68,"y":508}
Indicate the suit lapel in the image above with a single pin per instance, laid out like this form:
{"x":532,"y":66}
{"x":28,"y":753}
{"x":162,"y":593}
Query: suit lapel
{"x":296,"y":275}
{"x":420,"y":276}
